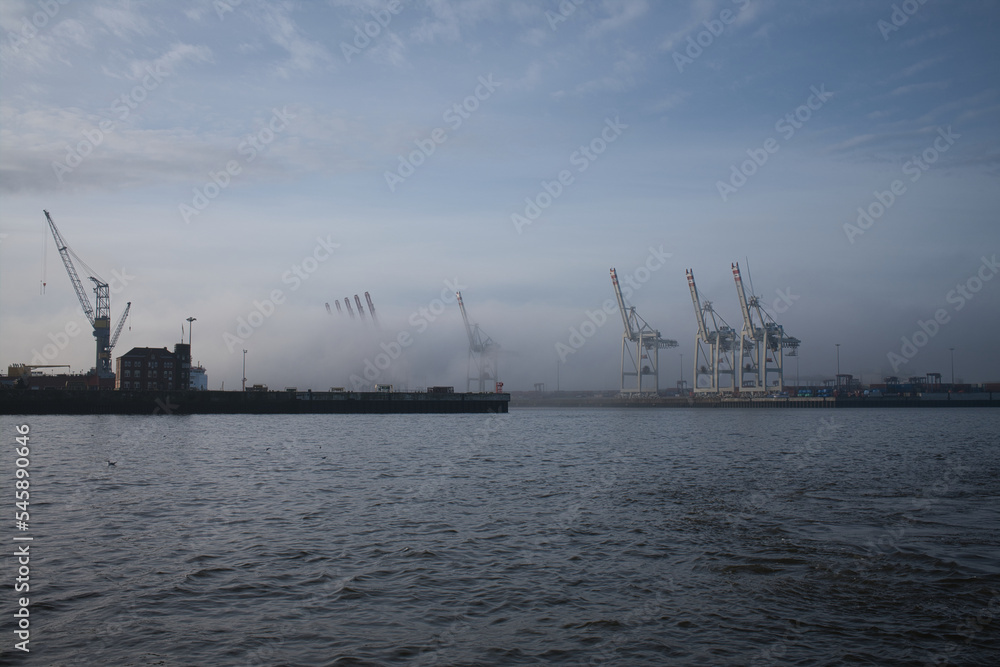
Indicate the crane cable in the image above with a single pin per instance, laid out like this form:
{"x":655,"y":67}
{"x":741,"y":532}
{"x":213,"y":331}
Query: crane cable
{"x":45,"y":256}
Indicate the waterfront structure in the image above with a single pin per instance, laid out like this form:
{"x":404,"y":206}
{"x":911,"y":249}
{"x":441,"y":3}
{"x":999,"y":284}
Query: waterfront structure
{"x":154,"y":369}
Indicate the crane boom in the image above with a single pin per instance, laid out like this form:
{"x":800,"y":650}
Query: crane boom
{"x":371,"y":308}
{"x":347,"y":302}
{"x":621,"y":305}
{"x":81,"y":293}
{"x":465,"y":318}
{"x":741,"y":293}
{"x":698,"y":313}
{"x":118,"y":329}
{"x":361,"y":311}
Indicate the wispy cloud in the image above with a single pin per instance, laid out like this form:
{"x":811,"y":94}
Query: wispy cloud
{"x":620,"y":13}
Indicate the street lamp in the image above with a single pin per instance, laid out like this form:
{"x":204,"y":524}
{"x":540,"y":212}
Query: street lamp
{"x":838,"y":364}
{"x":244,"y":370}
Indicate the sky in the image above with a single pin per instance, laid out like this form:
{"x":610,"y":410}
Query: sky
{"x":246,"y":163}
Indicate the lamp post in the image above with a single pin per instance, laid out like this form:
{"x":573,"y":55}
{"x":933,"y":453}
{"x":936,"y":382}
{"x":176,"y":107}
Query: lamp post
{"x":952,"y":350}
{"x":838,"y":364}
{"x":244,"y":370}
{"x":190,"y":320}
{"x":797,"y":385}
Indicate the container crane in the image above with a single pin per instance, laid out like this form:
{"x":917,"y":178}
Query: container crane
{"x":371,"y":309}
{"x":361,"y":311}
{"x":641,"y":344}
{"x":482,"y":353}
{"x":99,"y":318}
{"x":762,"y":344}
{"x":347,"y":302}
{"x":714,"y":353}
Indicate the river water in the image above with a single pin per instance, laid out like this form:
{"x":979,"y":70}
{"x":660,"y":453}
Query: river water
{"x":543,"y":536}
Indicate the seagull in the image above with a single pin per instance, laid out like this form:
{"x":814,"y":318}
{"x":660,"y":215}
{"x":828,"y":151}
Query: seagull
{"x":111,"y":463}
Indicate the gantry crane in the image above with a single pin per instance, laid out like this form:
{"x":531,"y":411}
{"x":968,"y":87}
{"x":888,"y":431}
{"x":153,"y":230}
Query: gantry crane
{"x":645,"y":356}
{"x":482,"y":353}
{"x":361,"y":311}
{"x":371,"y":309}
{"x":762,"y":344}
{"x":99,"y":318}
{"x":715,"y":347}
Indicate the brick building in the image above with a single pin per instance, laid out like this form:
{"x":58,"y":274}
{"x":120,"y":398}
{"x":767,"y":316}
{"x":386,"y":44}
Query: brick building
{"x":154,"y":369}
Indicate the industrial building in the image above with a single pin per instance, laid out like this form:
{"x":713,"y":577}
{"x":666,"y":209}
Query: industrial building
{"x":154,"y":369}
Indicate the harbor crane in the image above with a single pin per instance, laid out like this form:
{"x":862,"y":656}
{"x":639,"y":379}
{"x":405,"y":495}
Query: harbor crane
{"x":99,"y":317}
{"x":762,"y":344}
{"x":714,"y":349}
{"x":361,"y":311}
{"x":482,"y":353}
{"x":641,"y":344}
{"x":347,"y":302}
{"x":371,"y":309}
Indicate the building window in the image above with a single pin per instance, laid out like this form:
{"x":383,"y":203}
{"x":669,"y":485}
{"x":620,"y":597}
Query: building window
{"x":128,"y":363}
{"x":128,"y":374}
{"x":125,"y":385}
{"x":168,"y":364}
{"x":152,"y":364}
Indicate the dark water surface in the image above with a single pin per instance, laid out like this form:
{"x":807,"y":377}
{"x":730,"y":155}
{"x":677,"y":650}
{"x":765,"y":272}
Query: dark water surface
{"x":576,"y":537}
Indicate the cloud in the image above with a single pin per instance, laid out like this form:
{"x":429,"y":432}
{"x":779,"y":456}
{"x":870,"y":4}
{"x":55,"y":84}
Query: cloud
{"x":304,"y":54}
{"x":621,"y":14}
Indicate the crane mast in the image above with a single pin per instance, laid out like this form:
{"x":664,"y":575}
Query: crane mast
{"x":482,"y":352}
{"x":762,"y":344}
{"x":714,"y":349}
{"x":99,"y":318}
{"x":641,"y":345}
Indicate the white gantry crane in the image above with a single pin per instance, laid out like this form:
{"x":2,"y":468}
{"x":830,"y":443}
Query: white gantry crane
{"x":99,"y":317}
{"x":482,"y":365}
{"x":762,"y":345}
{"x":361,"y":310}
{"x":714,"y":348}
{"x":641,"y":345}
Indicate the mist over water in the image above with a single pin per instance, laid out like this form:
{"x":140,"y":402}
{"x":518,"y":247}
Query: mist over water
{"x":572,"y":537}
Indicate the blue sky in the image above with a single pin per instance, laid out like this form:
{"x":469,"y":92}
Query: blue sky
{"x":204,"y":150}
